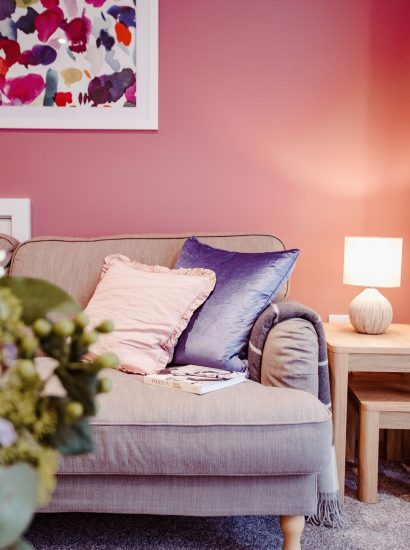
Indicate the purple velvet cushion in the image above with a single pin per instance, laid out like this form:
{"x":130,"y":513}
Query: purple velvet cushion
{"x":218,"y":334}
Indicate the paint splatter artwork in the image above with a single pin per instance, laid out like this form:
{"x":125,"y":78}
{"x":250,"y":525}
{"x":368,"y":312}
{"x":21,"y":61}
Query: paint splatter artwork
{"x":68,"y":53}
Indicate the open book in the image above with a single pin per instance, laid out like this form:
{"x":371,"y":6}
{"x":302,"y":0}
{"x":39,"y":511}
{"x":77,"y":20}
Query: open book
{"x":195,"y":379}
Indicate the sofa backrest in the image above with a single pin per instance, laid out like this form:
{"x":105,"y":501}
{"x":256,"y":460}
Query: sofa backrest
{"x":75,"y":263}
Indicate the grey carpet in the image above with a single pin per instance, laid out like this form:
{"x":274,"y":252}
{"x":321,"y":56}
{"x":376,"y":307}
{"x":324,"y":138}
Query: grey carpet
{"x":381,"y":526}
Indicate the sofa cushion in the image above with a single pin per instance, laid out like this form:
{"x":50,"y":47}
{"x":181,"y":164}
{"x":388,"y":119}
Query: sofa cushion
{"x":218,"y":334}
{"x":247,"y":429}
{"x":149,"y":305}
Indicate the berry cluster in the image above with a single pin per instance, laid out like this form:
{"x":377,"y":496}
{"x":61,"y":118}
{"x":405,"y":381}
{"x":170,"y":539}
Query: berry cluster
{"x":36,"y":426}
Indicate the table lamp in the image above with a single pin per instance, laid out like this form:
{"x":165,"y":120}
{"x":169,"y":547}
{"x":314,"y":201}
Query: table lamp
{"x":372,"y":262}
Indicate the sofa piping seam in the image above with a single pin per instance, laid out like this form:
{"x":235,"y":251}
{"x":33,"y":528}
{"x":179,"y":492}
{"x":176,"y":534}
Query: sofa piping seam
{"x":180,"y":425}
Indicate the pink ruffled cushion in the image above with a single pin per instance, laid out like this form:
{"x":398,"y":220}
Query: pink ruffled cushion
{"x":150,"y":307}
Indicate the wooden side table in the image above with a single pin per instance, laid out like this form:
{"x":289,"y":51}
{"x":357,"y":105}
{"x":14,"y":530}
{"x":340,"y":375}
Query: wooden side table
{"x":382,"y":401}
{"x":350,"y":351}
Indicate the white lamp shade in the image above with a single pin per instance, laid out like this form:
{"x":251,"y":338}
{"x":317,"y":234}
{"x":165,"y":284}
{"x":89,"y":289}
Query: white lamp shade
{"x":372,"y":261}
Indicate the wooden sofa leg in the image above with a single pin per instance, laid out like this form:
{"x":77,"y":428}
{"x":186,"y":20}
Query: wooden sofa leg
{"x":292,"y":528}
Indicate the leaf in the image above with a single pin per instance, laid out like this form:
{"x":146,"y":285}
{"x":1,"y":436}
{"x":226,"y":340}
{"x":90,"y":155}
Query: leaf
{"x":21,"y":544}
{"x":75,"y":438}
{"x":80,"y":384}
{"x":54,"y":346}
{"x":18,"y":492}
{"x":70,"y":439}
{"x":39,"y":297}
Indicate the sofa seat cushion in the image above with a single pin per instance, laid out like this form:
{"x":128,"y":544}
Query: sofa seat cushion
{"x":247,"y":429}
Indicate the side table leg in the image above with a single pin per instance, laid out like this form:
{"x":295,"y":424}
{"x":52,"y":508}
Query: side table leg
{"x":338,"y":372}
{"x":368,"y":455}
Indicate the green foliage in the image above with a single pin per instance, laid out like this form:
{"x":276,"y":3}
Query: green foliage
{"x":36,"y":316}
{"x":39,"y":298}
{"x":18,"y":486}
{"x":107,"y":361}
{"x":71,"y":436}
{"x":104,"y":385}
{"x":81,"y":385}
{"x":20,"y":544}
{"x":105,"y":326}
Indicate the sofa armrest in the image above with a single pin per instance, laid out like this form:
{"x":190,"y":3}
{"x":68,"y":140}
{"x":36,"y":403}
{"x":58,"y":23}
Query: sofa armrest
{"x":290,"y":356}
{"x":9,"y":244}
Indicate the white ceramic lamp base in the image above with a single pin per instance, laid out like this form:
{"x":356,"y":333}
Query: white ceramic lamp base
{"x":370,"y":312}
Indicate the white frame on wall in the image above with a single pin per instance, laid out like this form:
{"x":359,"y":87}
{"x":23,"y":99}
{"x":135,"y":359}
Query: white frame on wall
{"x":143,"y":117}
{"x":18,"y":212}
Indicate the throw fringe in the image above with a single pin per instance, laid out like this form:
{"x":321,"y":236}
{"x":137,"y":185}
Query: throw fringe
{"x":329,"y":511}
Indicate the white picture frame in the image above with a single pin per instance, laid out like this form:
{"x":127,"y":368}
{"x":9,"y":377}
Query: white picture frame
{"x":15,"y":215}
{"x":144,"y":116}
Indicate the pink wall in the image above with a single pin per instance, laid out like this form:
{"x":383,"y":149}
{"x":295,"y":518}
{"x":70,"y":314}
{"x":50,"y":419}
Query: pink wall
{"x":281,"y":117}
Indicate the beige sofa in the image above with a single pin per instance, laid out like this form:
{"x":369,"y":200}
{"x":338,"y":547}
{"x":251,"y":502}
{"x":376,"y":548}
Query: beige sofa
{"x":246,"y":450}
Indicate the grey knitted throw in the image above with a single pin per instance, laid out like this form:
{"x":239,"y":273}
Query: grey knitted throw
{"x":329,"y":507}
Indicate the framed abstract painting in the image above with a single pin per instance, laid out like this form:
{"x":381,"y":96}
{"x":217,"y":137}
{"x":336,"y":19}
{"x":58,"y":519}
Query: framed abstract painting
{"x":79,"y":64}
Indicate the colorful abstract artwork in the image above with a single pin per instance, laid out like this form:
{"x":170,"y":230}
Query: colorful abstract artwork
{"x":78,"y":63}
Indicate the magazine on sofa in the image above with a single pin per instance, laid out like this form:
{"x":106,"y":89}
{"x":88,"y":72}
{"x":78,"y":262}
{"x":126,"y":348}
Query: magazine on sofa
{"x":195,"y":379}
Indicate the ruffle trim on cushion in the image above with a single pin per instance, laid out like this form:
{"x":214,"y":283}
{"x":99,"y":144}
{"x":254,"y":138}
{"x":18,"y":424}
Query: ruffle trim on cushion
{"x":91,"y":357}
{"x":194,"y":271}
{"x":163,"y":361}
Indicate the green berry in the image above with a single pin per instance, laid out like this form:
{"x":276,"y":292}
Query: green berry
{"x":26,"y":369}
{"x":89,"y":338}
{"x":29,"y":345}
{"x":104,"y":385}
{"x":42,"y":328}
{"x":65,"y":327}
{"x":107,"y":361}
{"x":74,"y":410}
{"x":81,"y":320}
{"x":105,"y":327}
